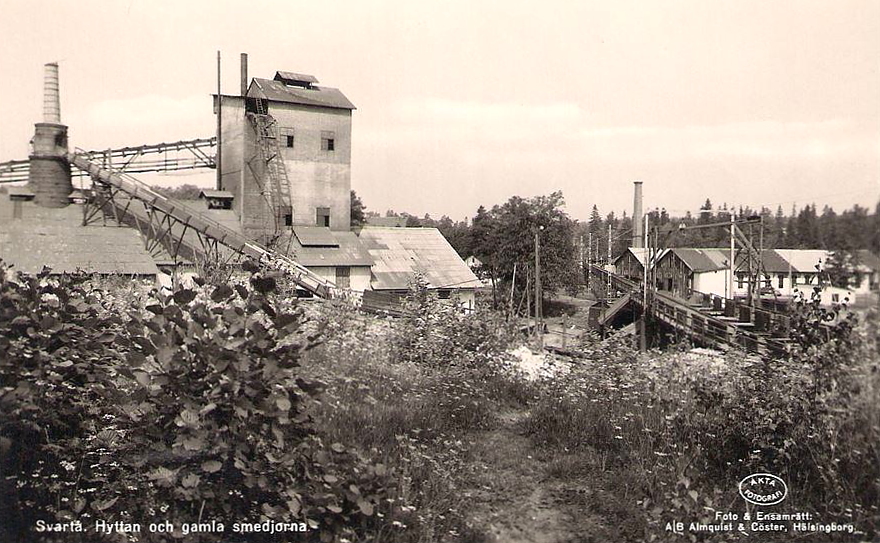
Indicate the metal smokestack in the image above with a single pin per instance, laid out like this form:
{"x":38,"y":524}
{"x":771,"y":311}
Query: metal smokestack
{"x":244,"y":77}
{"x":638,"y":234}
{"x":51,"y":99}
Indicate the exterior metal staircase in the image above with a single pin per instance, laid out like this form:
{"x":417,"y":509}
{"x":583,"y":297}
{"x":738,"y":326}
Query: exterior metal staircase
{"x":276,"y":187}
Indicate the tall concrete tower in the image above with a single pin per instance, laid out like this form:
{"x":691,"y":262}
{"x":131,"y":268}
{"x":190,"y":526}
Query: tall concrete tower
{"x":638,"y":230}
{"x":49,"y":176}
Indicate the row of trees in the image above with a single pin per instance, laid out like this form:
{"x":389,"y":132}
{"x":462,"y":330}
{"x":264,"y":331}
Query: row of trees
{"x":503,"y":235}
{"x":853,"y":228}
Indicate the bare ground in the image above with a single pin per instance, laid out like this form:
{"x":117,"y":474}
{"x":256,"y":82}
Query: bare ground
{"x":516,"y":498}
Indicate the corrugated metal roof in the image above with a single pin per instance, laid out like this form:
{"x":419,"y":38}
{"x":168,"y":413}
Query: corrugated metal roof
{"x":348,"y":251}
{"x":293,"y":76}
{"x":315,"y":236}
{"x":400,"y":253}
{"x":313,"y":96}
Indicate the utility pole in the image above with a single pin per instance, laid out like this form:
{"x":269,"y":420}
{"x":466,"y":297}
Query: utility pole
{"x":528,"y":296}
{"x":608,"y":263}
{"x":512,"y":285}
{"x":643,"y":339}
{"x":589,"y":260}
{"x":732,"y":256}
{"x":539,"y":301}
{"x":219,"y":128}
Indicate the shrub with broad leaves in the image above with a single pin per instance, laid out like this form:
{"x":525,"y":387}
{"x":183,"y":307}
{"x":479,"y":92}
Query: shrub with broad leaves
{"x":189,"y":408}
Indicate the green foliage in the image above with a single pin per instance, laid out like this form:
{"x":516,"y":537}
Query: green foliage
{"x":440,"y":333}
{"x":357,"y":210}
{"x":841,"y":267}
{"x":192,"y":406}
{"x":413,"y":415}
{"x":505,"y":235}
{"x":682,"y":428}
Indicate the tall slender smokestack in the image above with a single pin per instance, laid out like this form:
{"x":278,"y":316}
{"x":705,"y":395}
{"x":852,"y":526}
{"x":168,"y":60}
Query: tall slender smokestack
{"x":638,"y":239}
{"x":51,"y":100}
{"x":244,"y":77}
{"x":49,"y":175}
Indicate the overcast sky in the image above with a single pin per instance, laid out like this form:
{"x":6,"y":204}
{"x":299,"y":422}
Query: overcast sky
{"x":462,"y":103}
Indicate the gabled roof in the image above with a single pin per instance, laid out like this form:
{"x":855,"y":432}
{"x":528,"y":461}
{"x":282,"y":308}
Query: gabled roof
{"x":771,"y":261}
{"x":638,"y":253}
{"x":312,"y":96}
{"x":804,"y":260}
{"x":703,"y":260}
{"x":400,"y":253}
{"x":641,"y":254}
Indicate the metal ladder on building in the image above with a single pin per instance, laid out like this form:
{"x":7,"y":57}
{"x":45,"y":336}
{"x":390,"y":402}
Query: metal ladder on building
{"x":276,"y":187}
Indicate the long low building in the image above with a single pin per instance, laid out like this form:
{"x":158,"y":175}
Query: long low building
{"x":33,"y":237}
{"x":787,"y":273}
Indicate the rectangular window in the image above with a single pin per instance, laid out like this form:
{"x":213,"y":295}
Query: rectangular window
{"x":835,"y":298}
{"x":322,"y":216}
{"x":444,"y":294}
{"x":343,"y":277}
{"x":289,"y":139}
{"x":328,"y":140}
{"x":740,"y":280}
{"x":781,"y":280}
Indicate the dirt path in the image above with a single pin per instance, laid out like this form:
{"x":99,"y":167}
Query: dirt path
{"x":515,"y":499}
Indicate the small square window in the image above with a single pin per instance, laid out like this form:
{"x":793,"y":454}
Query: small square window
{"x":289,"y":141}
{"x":328,"y":140}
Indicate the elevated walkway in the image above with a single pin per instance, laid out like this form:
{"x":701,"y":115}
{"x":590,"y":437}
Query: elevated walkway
{"x":616,"y":307}
{"x":721,"y":325}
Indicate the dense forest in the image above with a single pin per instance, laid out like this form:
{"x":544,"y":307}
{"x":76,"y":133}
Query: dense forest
{"x":804,"y":228}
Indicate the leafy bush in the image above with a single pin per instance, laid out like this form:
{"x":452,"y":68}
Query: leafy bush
{"x":439,"y":333}
{"x":683,"y":428}
{"x":190,"y":409}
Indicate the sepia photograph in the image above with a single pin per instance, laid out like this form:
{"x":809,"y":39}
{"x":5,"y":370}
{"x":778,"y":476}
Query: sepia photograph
{"x":440,"y":271}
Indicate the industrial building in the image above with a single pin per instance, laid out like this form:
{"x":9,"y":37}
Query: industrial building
{"x":283,"y":162}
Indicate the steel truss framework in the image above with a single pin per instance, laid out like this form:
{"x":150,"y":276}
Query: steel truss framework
{"x":173,"y":229}
{"x":178,"y":155}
